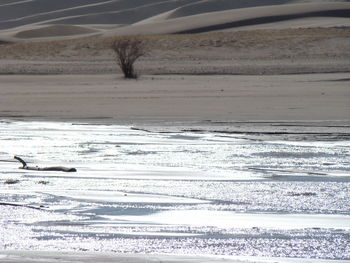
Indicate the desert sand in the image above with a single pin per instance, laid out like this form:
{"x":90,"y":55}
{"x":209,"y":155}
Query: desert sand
{"x":176,"y":98}
{"x":39,"y":20}
{"x":265,"y":74}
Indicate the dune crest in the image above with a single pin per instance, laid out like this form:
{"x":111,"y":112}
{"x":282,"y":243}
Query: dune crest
{"x":228,"y":19}
{"x":37,"y":19}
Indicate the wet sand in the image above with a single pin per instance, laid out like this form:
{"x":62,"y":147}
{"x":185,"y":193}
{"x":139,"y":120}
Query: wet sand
{"x":70,"y":257}
{"x":86,"y":257}
{"x":176,"y":98}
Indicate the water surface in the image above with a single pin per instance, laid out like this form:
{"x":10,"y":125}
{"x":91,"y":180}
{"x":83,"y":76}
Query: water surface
{"x":175,"y":191}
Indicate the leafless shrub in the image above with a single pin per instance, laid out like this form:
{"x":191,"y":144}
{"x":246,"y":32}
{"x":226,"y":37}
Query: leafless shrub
{"x":128,"y":51}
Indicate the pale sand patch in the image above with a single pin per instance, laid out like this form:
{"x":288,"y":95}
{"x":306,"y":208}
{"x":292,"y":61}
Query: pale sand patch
{"x":172,"y":98}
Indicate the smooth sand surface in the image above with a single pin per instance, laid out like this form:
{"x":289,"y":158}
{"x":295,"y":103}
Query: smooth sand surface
{"x":172,"y":98}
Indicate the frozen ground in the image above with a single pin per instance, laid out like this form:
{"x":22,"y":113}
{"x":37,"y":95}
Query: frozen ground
{"x":174,"y":190}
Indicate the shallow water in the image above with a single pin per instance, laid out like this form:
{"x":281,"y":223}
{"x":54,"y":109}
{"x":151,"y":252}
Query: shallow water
{"x":174,"y":192}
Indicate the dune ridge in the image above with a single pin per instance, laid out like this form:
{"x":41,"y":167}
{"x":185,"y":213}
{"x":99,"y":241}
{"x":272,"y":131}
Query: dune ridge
{"x":235,"y":18}
{"x":55,"y":30}
{"x":207,"y":6}
{"x":272,"y":18}
{"x":40,"y":19}
{"x":90,"y":11}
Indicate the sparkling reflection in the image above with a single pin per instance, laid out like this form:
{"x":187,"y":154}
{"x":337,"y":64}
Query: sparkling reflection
{"x":177,"y":192}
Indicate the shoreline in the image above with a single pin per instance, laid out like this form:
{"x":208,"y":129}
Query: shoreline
{"x":319,"y":130}
{"x":86,"y":257}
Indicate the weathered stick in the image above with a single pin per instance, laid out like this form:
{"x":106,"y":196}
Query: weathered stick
{"x":36,"y":168}
{"x":22,"y":161}
{"x":27,"y":206}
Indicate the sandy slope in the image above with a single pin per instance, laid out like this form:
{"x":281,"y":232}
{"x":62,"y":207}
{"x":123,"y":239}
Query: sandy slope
{"x":33,"y":19}
{"x":54,"y":31}
{"x":234,"y":18}
{"x":27,"y":12}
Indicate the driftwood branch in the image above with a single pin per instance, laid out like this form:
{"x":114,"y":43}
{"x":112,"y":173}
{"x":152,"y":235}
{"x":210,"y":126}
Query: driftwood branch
{"x":22,"y":205}
{"x":51,"y":168}
{"x":22,"y":161}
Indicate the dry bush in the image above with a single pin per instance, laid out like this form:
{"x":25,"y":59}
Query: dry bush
{"x":128,"y":51}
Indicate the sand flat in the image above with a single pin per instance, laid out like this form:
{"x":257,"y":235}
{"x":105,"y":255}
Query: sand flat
{"x":279,"y":97}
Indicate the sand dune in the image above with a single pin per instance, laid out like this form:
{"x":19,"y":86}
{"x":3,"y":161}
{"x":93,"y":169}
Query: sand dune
{"x":55,"y":30}
{"x":236,"y":18}
{"x":124,"y":16}
{"x":207,"y":6}
{"x":303,"y":22}
{"x":42,"y":18}
{"x":92,"y":11}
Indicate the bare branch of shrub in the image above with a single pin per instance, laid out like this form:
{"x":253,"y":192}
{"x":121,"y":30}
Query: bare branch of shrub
{"x":128,"y":51}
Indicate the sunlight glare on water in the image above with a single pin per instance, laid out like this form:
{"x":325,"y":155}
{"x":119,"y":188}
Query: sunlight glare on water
{"x":178,"y":192}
